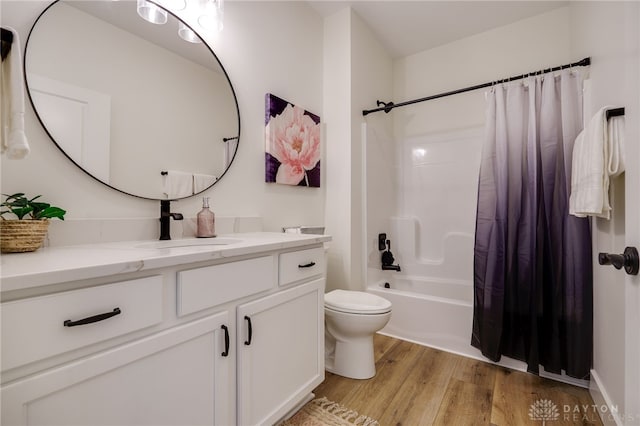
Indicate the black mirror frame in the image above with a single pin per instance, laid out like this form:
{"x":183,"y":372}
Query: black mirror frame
{"x":233,"y":92}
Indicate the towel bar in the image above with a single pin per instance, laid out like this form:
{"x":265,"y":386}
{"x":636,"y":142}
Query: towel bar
{"x":615,"y":112}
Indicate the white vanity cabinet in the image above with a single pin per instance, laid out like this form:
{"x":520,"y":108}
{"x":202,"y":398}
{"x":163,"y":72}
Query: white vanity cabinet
{"x":280,"y":352}
{"x":179,"y":375}
{"x":175,"y":377}
{"x":234,"y":340}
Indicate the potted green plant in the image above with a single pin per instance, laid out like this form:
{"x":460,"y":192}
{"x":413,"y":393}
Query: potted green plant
{"x":27,"y":230}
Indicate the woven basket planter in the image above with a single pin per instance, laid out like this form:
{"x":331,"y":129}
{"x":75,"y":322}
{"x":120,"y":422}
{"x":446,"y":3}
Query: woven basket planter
{"x":19,"y":236}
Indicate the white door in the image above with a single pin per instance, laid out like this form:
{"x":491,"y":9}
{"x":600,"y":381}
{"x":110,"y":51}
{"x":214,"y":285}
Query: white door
{"x":85,"y":138}
{"x":632,"y":284}
{"x":280,"y":352}
{"x":615,"y":75}
{"x":632,"y":210}
{"x":175,"y":377}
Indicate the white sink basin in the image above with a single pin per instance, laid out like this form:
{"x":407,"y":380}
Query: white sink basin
{"x":196,"y":242}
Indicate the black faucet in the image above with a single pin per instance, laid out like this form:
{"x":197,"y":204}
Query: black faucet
{"x":387,"y":259}
{"x":391,"y":267}
{"x":165,"y":219}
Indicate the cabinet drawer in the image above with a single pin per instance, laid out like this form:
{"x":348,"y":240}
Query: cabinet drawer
{"x":206,"y":287}
{"x":34,"y":328}
{"x":300,"y":265}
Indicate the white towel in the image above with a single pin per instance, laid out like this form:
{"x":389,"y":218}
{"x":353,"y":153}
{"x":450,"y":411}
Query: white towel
{"x":202,"y":182}
{"x":178,"y":184}
{"x":598,"y":154}
{"x":12,"y":137}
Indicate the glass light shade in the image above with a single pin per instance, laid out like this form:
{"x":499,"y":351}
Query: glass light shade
{"x":151,"y":13}
{"x":174,"y":4}
{"x":213,"y":14}
{"x":187,"y":34}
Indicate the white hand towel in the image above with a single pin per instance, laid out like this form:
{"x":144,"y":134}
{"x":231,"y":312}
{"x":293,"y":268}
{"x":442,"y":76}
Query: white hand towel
{"x":12,"y":137}
{"x":616,"y":146}
{"x":202,"y":182}
{"x":598,"y":154}
{"x":178,"y":184}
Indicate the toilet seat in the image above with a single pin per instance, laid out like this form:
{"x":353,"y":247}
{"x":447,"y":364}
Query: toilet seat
{"x":356,"y":302}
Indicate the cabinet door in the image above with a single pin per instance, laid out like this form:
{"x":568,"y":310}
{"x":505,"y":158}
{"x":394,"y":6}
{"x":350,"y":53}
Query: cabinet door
{"x":175,"y":377}
{"x":280,"y":352}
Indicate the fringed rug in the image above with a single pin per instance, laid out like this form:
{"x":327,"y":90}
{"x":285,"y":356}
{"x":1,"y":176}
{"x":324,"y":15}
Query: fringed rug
{"x":322,"y":412}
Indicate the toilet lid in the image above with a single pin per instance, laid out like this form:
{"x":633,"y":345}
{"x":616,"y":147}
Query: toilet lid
{"x":357,"y":302}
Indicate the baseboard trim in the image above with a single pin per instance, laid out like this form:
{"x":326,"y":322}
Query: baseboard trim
{"x":609,"y":416}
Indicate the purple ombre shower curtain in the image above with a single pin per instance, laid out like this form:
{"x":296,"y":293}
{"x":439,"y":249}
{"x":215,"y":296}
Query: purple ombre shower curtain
{"x":532,"y":261}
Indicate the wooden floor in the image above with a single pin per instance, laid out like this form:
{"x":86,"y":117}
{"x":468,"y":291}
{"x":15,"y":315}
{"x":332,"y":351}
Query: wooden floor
{"x":416,"y":385}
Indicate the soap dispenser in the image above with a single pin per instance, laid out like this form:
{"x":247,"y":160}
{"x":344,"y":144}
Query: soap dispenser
{"x":206,"y":221}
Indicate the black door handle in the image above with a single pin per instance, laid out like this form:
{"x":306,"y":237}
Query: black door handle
{"x":95,"y":318}
{"x":629,"y":260}
{"x":226,"y":341}
{"x":307,"y":265}
{"x":249,"y":330}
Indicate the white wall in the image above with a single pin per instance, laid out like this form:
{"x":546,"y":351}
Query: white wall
{"x":265,"y":47}
{"x":337,"y":104}
{"x":357,"y":72}
{"x":608,"y":33}
{"x":499,"y":53}
{"x":373,"y":160}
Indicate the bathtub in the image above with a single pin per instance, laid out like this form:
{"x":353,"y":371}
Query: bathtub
{"x":439,"y":314}
{"x":435,"y":313}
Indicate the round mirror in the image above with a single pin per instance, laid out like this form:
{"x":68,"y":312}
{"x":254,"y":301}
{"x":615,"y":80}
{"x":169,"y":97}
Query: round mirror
{"x":131,"y":102}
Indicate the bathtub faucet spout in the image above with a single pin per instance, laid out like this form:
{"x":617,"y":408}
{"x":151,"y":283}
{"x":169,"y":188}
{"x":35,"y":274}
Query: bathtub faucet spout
{"x":391,"y":267}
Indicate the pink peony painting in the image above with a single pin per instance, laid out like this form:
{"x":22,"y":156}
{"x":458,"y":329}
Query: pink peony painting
{"x":292,"y":152}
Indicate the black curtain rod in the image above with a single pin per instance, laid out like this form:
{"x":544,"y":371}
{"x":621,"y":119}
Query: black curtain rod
{"x":388,"y":106}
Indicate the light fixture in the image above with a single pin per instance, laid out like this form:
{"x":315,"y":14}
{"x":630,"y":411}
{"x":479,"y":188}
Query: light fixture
{"x":187,"y":34}
{"x":212,"y":16}
{"x":175,"y":5}
{"x":152,"y":13}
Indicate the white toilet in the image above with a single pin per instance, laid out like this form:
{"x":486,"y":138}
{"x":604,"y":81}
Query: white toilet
{"x":351,"y":319}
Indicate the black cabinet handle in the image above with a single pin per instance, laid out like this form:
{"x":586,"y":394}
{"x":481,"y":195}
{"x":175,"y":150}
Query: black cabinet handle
{"x":629,"y":260}
{"x":250,"y":330}
{"x":226,"y":341}
{"x":95,"y":318}
{"x":307,"y":265}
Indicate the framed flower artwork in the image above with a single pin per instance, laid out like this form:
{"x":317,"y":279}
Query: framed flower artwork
{"x":292,"y":144}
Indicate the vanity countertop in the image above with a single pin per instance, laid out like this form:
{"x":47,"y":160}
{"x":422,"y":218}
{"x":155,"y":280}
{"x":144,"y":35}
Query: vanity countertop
{"x":52,"y":265}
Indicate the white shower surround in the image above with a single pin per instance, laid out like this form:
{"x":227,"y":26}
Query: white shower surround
{"x":432,"y":240}
{"x":435,"y":227}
